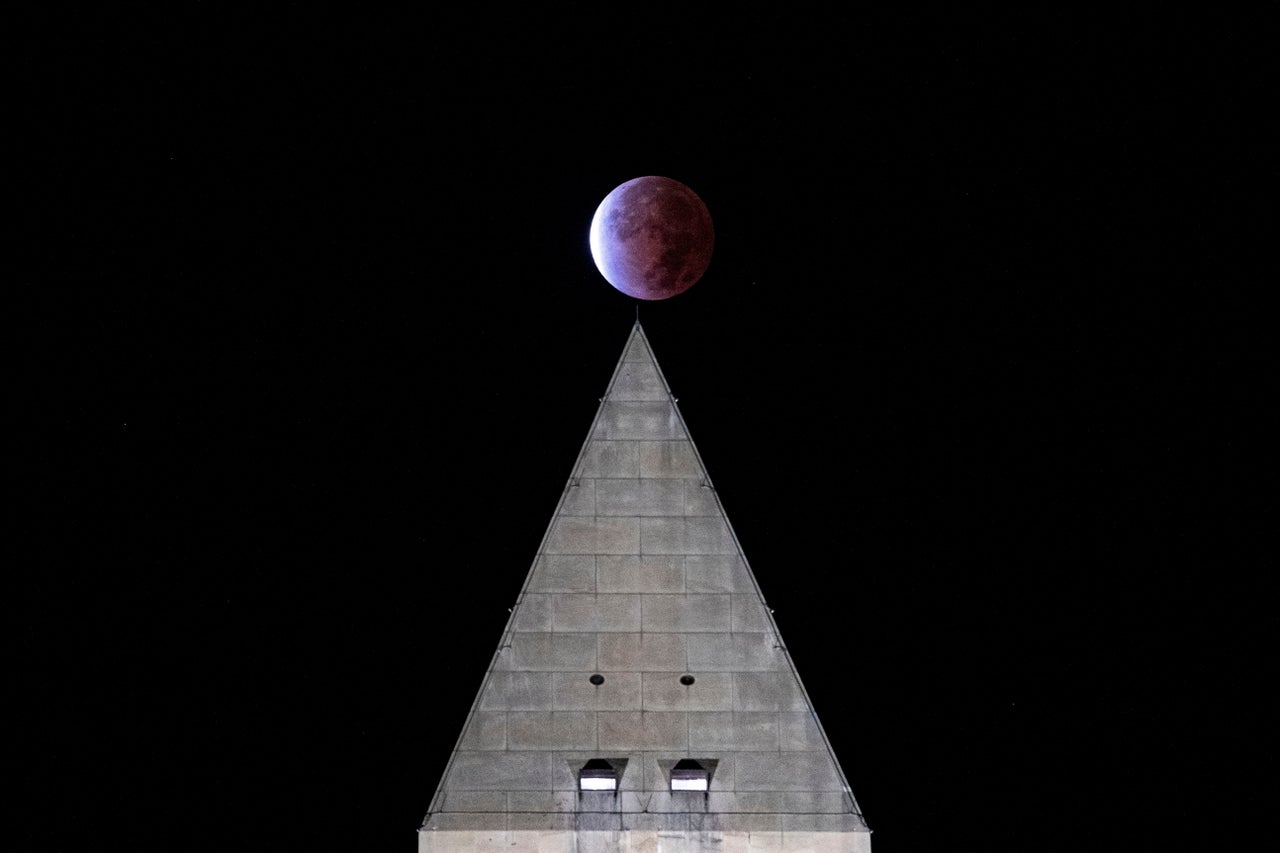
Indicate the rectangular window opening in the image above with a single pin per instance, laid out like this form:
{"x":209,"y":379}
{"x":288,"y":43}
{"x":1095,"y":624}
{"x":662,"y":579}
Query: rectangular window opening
{"x":600,"y":774}
{"x":690,"y":775}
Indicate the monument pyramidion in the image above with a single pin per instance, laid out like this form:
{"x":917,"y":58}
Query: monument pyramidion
{"x":641,"y":698}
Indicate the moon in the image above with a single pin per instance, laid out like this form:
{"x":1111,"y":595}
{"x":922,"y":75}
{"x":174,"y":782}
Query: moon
{"x":651,"y":238}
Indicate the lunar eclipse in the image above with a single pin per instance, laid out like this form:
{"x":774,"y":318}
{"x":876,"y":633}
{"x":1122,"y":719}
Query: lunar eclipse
{"x":651,"y":238}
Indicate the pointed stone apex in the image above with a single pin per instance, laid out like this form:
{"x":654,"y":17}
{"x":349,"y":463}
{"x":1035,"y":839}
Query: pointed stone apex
{"x":637,"y":348}
{"x":640,"y":639}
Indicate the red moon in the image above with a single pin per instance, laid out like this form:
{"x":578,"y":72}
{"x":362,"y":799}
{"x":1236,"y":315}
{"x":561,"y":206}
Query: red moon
{"x":651,"y":238}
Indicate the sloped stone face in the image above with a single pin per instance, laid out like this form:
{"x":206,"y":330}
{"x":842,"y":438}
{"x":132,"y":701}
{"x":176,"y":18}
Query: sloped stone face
{"x":640,"y":583}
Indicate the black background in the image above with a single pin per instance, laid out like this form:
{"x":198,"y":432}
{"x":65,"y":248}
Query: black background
{"x":307,"y":337}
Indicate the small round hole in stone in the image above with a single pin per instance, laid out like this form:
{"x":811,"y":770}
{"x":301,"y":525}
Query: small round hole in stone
{"x":597,"y":679}
{"x":686,"y":680}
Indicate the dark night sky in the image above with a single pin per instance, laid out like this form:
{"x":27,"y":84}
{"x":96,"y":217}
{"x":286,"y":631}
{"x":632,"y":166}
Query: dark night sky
{"x":313,"y":337}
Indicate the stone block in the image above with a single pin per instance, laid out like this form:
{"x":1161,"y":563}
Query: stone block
{"x":640,"y":497}
{"x":733,"y":732}
{"x":517,"y":691}
{"x":709,"y":535}
{"x":570,"y":535}
{"x":557,"y":730}
{"x":739,"y":652}
{"x":662,"y":535}
{"x":603,"y":825}
{"x":767,"y":691}
{"x":669,"y":459}
{"x":641,"y":652}
{"x":681,"y":613}
{"x":533,"y":826}
{"x":667,"y":825}
{"x":761,"y":837}
{"x":702,"y":535}
{"x":543,"y":801}
{"x":637,"y":350}
{"x":624,"y":419}
{"x":638,"y":381}
{"x":474,"y":801}
{"x":814,"y":802}
{"x":625,"y":731}
{"x":579,"y":498}
{"x":717,"y":573}
{"x":711,"y":691}
{"x":590,"y":612}
{"x":751,"y":802}
{"x":456,"y":832}
{"x":800,"y":732}
{"x":608,"y":459}
{"x":633,"y":573}
{"x":787,"y":771}
{"x":826,"y":824}
{"x":500,"y":771}
{"x":700,"y":500}
{"x":549,"y":652}
{"x":486,"y":730}
{"x":573,"y":691}
{"x":827,"y":841}
{"x":749,"y":615}
{"x":533,"y":613}
{"x":564,"y":573}
{"x":602,"y":841}
{"x":662,"y":800}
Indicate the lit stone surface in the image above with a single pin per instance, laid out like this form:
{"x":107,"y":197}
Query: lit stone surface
{"x":644,"y":730}
{"x":577,"y":535}
{"x":662,"y":459}
{"x":639,"y":497}
{"x":596,"y":613}
{"x":530,"y":652}
{"x":550,"y":730}
{"x":713,"y":691}
{"x":716,"y":573}
{"x":607,"y":459}
{"x":491,"y":770}
{"x":735,"y":731}
{"x":800,"y":732}
{"x":488,"y":730}
{"x":564,"y":573}
{"x":641,"y":652}
{"x":580,"y":499}
{"x":534,"y":614}
{"x":767,"y":691}
{"x":573,"y":691}
{"x":741,"y":652}
{"x":639,"y":380}
{"x":686,"y":535}
{"x":640,"y":581}
{"x":516,"y":691}
{"x":633,"y":573}
{"x":686,"y":613}
{"x":647,"y":421}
